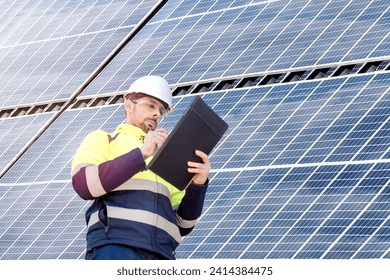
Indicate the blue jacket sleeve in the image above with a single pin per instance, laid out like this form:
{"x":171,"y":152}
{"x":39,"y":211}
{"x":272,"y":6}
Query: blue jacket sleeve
{"x":191,"y":207}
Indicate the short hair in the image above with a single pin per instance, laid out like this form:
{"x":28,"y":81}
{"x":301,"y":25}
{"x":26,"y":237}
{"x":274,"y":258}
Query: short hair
{"x":135,"y":95}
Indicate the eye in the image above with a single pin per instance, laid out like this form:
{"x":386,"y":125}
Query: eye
{"x":163,"y":111}
{"x":152,"y":106}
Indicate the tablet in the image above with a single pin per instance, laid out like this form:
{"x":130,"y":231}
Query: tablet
{"x":200,"y":128}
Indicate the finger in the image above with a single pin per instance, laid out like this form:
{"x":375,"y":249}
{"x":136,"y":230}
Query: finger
{"x":161,"y":131}
{"x":158,"y":135}
{"x":195,"y":164}
{"x":196,"y":171}
{"x":202,"y":155}
{"x":161,"y":135}
{"x":161,"y":138}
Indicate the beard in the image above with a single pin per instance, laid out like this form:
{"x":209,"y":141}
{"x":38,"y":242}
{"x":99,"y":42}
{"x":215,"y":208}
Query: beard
{"x":149,"y":125}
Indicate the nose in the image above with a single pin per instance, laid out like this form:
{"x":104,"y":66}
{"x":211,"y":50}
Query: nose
{"x":157,"y":114}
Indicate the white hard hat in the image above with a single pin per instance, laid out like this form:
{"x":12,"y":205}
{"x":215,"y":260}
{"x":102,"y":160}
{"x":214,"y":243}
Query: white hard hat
{"x":154,"y":86}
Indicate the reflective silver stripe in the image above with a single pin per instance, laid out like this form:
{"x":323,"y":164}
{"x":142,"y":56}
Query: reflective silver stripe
{"x":141,"y":216}
{"x":145,"y":185}
{"x":93,"y":219}
{"x":93,"y":181}
{"x":78,"y":167}
{"x":185,"y":223}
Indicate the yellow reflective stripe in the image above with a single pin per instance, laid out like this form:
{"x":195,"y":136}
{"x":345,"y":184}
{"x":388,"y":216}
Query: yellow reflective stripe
{"x":185,"y":223}
{"x":176,"y":195}
{"x":140,"y":216}
{"x":93,"y":181}
{"x":145,"y":185}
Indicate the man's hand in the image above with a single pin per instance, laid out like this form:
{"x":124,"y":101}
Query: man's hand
{"x":200,"y":169}
{"x":153,"y":140}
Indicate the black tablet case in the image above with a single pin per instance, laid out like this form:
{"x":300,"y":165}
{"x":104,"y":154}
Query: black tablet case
{"x":199,"y":129}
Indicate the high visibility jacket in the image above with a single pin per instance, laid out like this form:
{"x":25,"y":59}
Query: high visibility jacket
{"x":131,"y":205}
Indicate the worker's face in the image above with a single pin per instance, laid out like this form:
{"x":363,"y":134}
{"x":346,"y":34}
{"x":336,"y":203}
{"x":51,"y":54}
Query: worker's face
{"x":144,"y":113}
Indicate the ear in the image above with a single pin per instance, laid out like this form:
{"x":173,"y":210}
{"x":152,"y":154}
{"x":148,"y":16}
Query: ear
{"x":128,"y":105}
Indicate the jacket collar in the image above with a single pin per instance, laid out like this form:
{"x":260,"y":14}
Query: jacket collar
{"x":132,"y":130}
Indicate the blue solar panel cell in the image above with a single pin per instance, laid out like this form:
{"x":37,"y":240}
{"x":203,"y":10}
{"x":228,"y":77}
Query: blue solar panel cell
{"x":52,"y":47}
{"x":16,"y":133}
{"x":210,"y":50}
{"x":214,"y":43}
{"x":40,"y":220}
{"x":371,"y":24}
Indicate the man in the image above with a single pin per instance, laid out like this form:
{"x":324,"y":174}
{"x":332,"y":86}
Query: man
{"x":135,"y":214}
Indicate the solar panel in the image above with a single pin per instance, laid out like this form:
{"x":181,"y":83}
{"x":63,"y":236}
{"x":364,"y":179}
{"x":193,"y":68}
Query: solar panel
{"x":16,"y":133}
{"x":300,"y":212}
{"x":231,"y":39}
{"x":48,"y":49}
{"x":267,"y":200}
{"x":304,"y":169}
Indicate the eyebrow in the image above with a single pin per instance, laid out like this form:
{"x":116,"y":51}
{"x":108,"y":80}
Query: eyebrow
{"x":153,"y":101}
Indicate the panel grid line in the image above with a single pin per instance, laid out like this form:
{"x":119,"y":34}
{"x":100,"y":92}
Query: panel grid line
{"x":300,"y":33}
{"x":161,"y":43}
{"x":233,"y":170}
{"x":307,"y":210}
{"x":81,"y":233}
{"x":344,"y":31}
{"x":195,"y":43}
{"x":35,"y":131}
{"x":386,"y":37}
{"x":215,"y":39}
{"x":37,"y":216}
{"x":172,"y":49}
{"x":65,"y":3}
{"x":126,"y":61}
{"x":312,"y":204}
{"x":258,"y":36}
{"x":335,"y":17}
{"x":20,"y":69}
{"x":32,"y":24}
{"x":388,"y":250}
{"x":21,"y":213}
{"x":5,"y":24}
{"x":357,"y":218}
{"x":74,"y":135}
{"x":243,"y":121}
{"x":270,"y":193}
{"x":211,"y":207}
{"x":80,"y":18}
{"x":37,"y":4}
{"x":67,"y":17}
{"x":374,"y":134}
{"x":265,"y":119}
{"x":42,"y":152}
{"x":232,"y":208}
{"x":334,"y":209}
{"x":233,"y":41}
{"x":290,"y":117}
{"x":360,"y":213}
{"x":333,"y":121}
{"x":280,"y":34}
{"x":301,"y":173}
{"x":366,"y":32}
{"x":358,"y":122}
{"x":65,"y":37}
